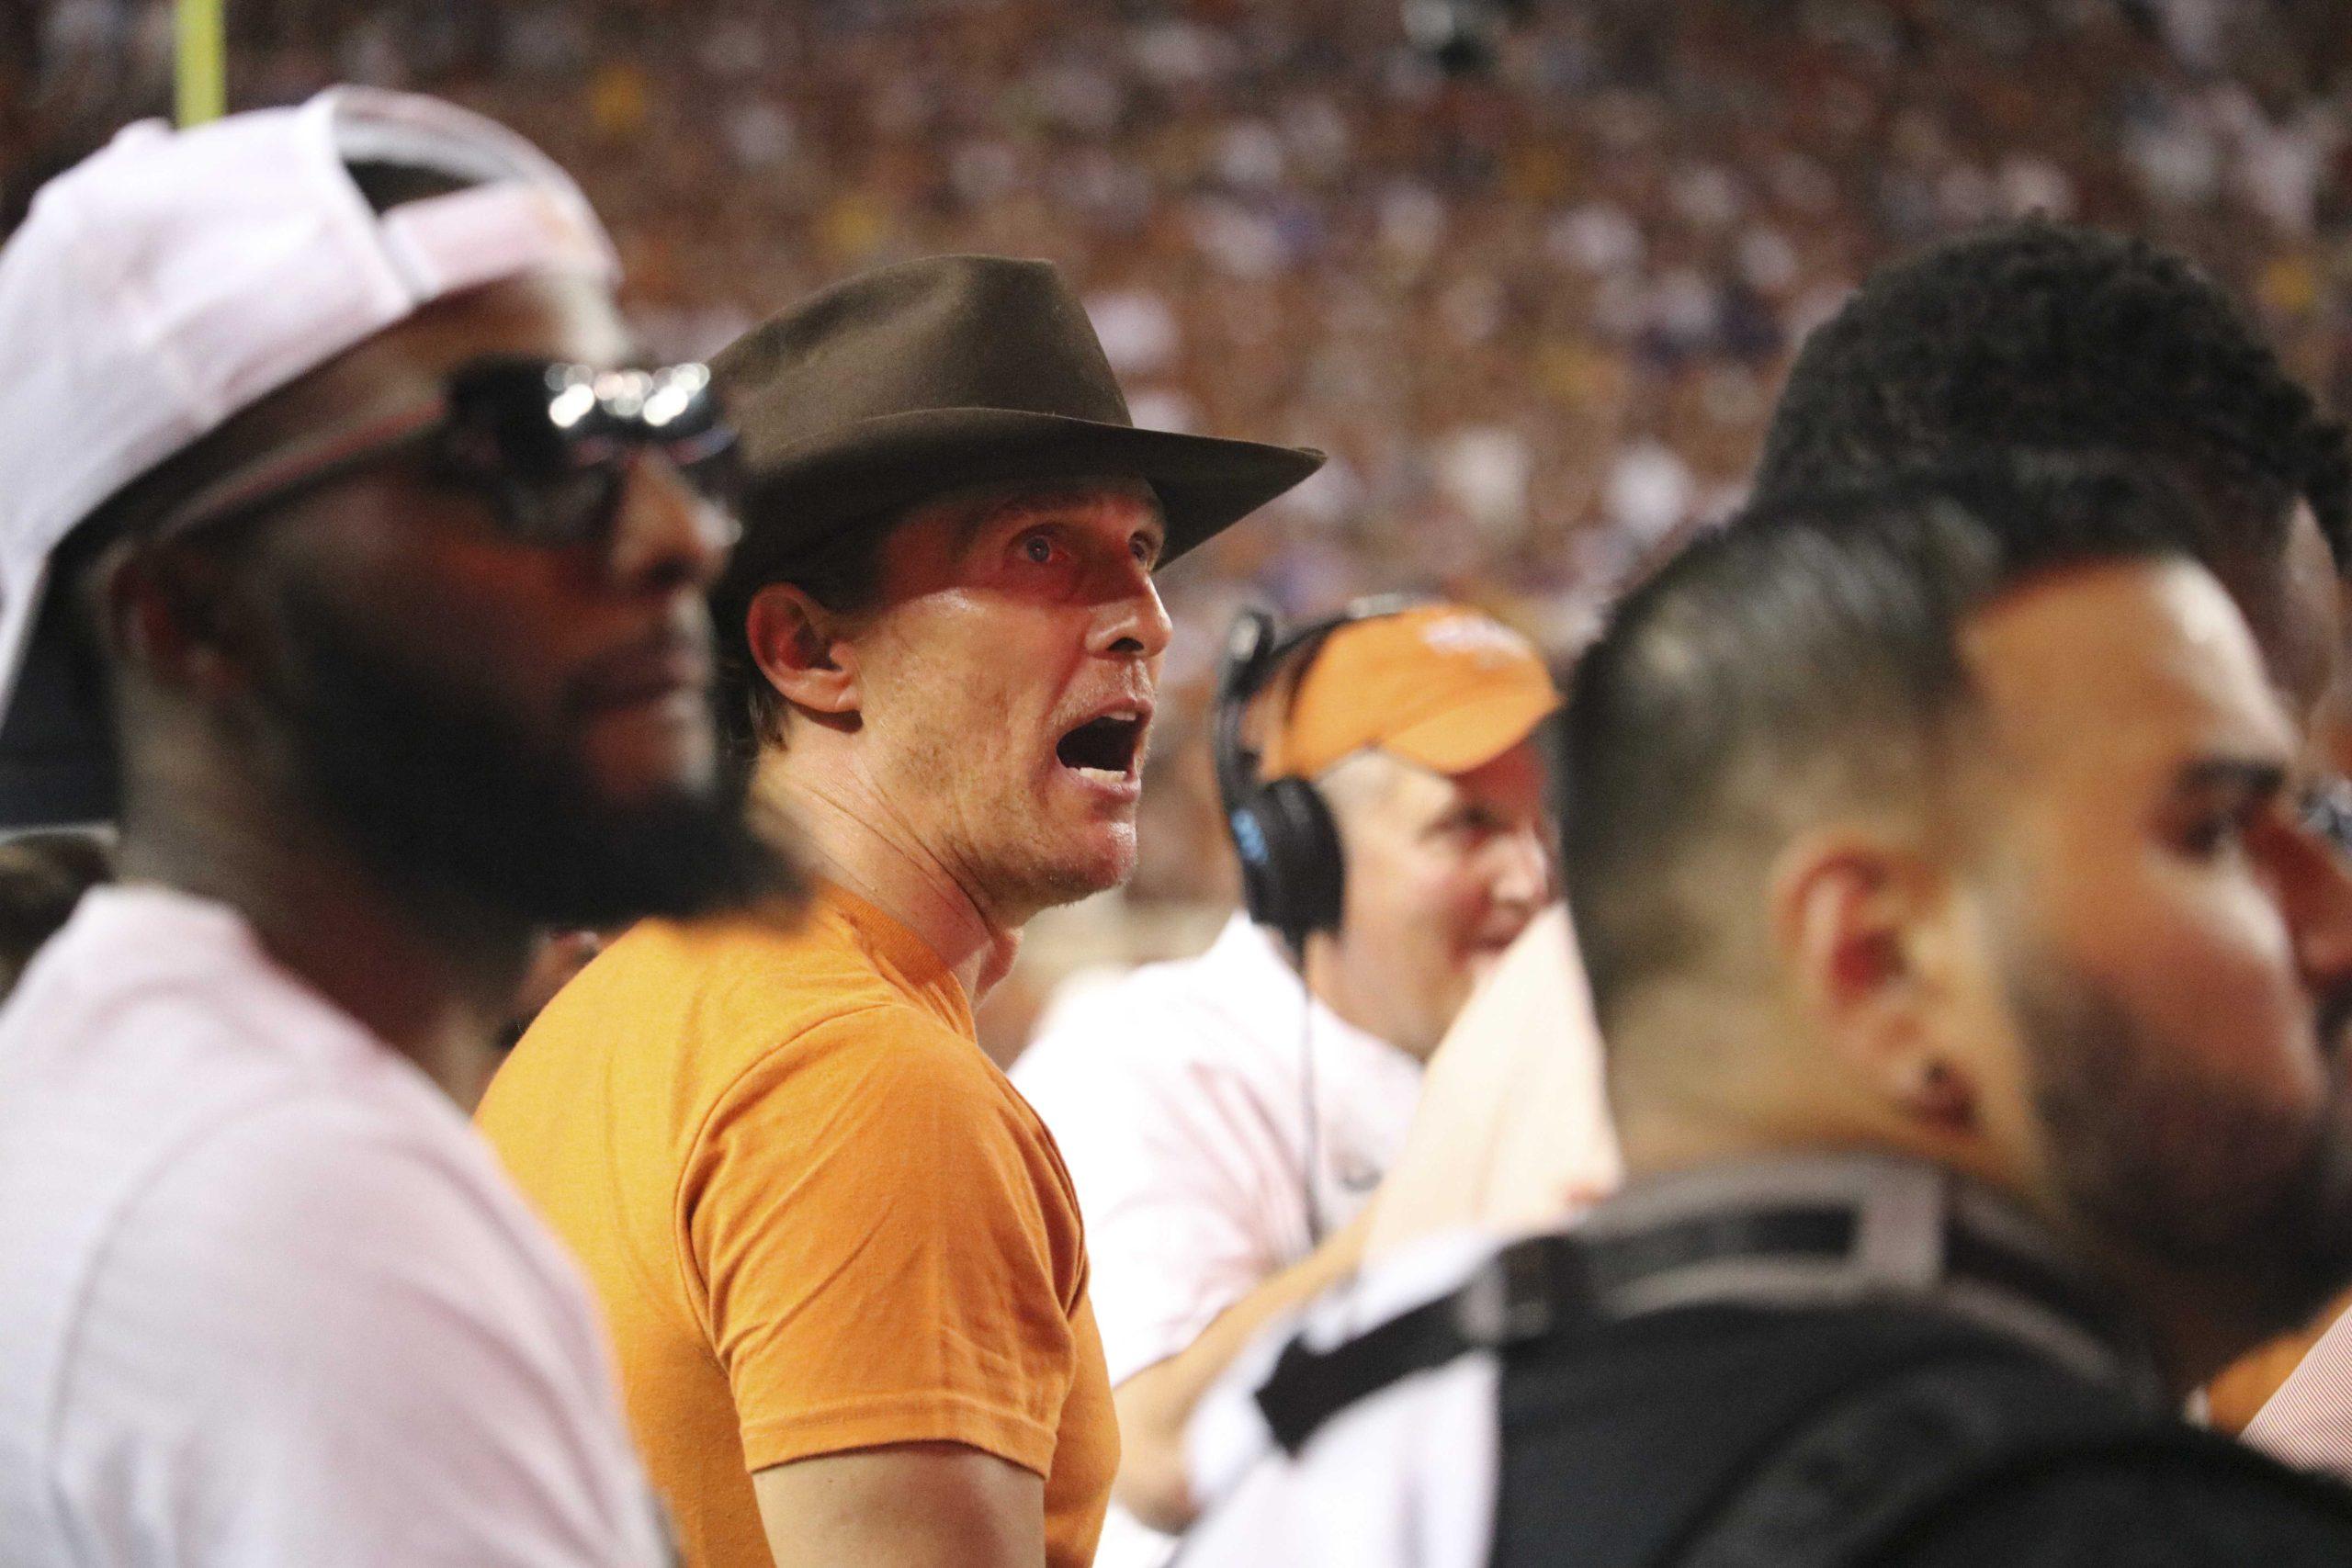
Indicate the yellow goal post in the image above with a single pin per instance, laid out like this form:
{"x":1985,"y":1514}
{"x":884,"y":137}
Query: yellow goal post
{"x":200,"y":71}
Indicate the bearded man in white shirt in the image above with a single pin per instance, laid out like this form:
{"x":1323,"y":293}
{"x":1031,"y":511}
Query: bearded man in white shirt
{"x":344,"y":561}
{"x":1227,"y":1118}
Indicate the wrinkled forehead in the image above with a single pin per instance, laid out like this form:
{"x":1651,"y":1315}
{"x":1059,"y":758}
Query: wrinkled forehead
{"x":925,"y":545}
{"x":2111,"y":677}
{"x":974,"y":509}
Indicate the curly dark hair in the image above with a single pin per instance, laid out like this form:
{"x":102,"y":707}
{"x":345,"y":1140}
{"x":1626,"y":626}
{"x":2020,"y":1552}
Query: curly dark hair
{"x":2058,"y":337}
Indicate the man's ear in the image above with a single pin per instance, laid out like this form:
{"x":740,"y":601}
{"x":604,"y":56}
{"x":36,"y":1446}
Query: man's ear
{"x":1863,"y":927}
{"x":800,"y":649}
{"x":167,"y":614}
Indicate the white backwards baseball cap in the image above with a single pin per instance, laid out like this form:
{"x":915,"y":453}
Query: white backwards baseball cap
{"x":176,"y":278}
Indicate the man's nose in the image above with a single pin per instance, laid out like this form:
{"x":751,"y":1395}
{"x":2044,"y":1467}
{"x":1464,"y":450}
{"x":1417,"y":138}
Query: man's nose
{"x":1132,"y":619}
{"x":1523,"y":872}
{"x":668,"y":535}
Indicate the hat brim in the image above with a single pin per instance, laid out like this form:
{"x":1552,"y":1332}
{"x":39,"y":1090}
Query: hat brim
{"x":798,"y":497}
{"x":1473,"y":735}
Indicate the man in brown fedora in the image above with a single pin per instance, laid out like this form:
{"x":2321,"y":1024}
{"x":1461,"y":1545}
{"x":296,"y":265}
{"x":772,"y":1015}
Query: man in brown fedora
{"x":840,"y":1257}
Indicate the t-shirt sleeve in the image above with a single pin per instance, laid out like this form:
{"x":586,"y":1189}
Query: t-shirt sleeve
{"x":310,"y":1340}
{"x":1177,"y":1167}
{"x":869,"y":1217}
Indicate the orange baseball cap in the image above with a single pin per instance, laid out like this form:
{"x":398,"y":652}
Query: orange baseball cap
{"x":1438,"y":684}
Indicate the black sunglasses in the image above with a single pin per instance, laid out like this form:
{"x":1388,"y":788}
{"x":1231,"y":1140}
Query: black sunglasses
{"x":548,"y":445}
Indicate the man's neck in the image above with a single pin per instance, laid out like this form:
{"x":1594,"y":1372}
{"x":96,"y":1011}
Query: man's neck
{"x":853,"y":836}
{"x":434,"y":984}
{"x":1330,"y":981}
{"x":2189,"y":1336}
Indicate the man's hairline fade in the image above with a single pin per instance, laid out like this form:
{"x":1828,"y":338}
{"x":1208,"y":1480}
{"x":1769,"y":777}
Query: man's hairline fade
{"x":1874,"y":586}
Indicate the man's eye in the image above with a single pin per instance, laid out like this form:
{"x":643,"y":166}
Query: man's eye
{"x":2203,"y":838}
{"x":2221,"y":831}
{"x":1037,"y":549}
{"x":1461,"y":827}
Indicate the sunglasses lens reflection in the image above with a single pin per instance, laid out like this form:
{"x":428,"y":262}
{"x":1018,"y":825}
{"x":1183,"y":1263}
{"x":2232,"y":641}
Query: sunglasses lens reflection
{"x":553,"y":443}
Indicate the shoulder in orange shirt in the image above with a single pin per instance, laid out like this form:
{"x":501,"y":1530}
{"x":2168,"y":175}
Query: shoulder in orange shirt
{"x":819,"y":1218}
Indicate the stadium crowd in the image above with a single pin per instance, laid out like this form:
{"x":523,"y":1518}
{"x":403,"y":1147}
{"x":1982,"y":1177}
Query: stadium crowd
{"x":1832,"y":889}
{"x":1536,"y":305}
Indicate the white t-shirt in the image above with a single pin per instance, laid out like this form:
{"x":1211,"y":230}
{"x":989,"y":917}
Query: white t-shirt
{"x":1406,"y":1477}
{"x":267,"y":1299}
{"x":1178,"y":1095}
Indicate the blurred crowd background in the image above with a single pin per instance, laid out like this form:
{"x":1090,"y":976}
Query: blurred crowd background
{"x":1530,"y":271}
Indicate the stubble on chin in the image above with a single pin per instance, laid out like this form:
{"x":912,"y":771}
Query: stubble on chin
{"x":2183,"y":1168}
{"x":1005,"y":845}
{"x":1045,"y":865}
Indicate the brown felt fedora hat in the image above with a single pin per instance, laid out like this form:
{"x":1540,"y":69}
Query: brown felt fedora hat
{"x":915,"y":379}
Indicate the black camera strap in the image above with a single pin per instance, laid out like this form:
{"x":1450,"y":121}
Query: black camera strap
{"x":1826,"y":1232}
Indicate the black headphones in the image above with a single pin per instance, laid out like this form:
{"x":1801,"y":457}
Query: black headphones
{"x":1292,"y":875}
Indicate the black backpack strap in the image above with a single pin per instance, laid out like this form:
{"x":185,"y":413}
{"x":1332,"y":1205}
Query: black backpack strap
{"x":1536,"y":1288}
{"x":1848,"y":1482}
{"x":1307,"y":1387}
{"x":1524,"y":1291}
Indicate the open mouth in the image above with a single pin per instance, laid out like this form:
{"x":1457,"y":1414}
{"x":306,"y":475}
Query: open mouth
{"x":1106,"y":748}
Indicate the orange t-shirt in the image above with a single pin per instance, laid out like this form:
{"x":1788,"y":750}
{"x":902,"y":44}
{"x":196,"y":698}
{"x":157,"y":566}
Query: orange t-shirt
{"x":818,"y":1218}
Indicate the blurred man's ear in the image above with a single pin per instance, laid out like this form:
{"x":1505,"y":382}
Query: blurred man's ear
{"x":801,"y":651}
{"x":167,"y":615}
{"x":1863,"y":926}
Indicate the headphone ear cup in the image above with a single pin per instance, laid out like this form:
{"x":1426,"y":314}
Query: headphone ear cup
{"x":1260,"y":881}
{"x":1304,"y":875}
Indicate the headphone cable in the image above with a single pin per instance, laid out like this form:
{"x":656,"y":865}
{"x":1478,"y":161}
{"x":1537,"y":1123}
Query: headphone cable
{"x":1311,"y":1143}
